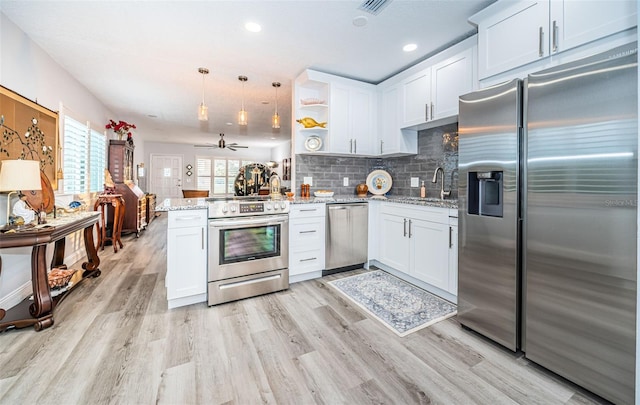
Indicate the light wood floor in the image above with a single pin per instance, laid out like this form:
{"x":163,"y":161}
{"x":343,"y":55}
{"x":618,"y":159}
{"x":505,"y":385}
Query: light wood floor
{"x":115,"y":342}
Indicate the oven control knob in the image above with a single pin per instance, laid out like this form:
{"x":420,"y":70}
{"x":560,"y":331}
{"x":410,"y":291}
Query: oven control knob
{"x":233,"y":208}
{"x":276,"y":206}
{"x":224,"y":209}
{"x":283,"y":205}
{"x":268,"y":206}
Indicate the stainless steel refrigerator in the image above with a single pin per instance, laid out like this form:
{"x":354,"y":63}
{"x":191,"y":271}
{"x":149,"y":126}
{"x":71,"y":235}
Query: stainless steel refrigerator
{"x":548,"y":218}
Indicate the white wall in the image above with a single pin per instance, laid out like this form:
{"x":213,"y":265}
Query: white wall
{"x":26,"y":69}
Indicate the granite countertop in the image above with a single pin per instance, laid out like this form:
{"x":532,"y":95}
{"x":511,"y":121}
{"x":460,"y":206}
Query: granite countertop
{"x":176,"y":204}
{"x":428,"y":202}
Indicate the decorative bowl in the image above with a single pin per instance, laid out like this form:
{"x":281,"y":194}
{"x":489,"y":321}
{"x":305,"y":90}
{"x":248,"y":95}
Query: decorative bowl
{"x":323,"y":193}
{"x":311,"y":101}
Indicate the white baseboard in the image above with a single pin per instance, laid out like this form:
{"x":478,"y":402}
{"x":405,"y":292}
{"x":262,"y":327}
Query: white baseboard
{"x":16,"y":296}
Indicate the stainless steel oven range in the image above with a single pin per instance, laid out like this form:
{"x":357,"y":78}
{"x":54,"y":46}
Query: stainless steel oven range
{"x":248,"y":247}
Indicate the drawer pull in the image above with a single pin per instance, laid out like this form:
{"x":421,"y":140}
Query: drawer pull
{"x":313,"y":209}
{"x":308,"y":231}
{"x":187,"y":218}
{"x":309,"y":259}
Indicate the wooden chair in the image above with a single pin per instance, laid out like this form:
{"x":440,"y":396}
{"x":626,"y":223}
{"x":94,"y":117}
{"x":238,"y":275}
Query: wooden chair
{"x":195,"y":193}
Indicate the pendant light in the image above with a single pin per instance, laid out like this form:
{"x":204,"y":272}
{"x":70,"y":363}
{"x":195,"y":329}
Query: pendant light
{"x":275,"y":120}
{"x":242,"y":115}
{"x":203,"y":110}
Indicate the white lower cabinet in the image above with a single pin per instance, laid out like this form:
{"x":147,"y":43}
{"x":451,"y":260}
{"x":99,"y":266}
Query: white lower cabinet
{"x":306,"y":241}
{"x":416,"y":240}
{"x":186,"y":278}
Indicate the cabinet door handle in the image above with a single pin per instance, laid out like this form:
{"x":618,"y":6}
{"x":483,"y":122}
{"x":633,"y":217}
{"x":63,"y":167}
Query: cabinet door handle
{"x":350,"y":145}
{"x":540,"y":42}
{"x":355,"y":146}
{"x":381,"y":143}
{"x":554,"y":36}
{"x":409,"y":229}
{"x":432,"y":108}
{"x":308,"y":231}
{"x":202,"y":237}
{"x":450,"y":238}
{"x":426,"y":112}
{"x":405,"y":227}
{"x":308,"y":260}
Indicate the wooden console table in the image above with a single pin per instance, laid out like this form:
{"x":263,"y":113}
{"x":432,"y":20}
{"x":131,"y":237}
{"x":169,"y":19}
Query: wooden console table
{"x":39,"y":311}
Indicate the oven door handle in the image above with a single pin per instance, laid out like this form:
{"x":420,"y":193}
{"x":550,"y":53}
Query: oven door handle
{"x":280,"y":219}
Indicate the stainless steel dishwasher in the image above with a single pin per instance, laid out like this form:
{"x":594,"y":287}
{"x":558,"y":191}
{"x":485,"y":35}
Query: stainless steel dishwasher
{"x":347,"y":235}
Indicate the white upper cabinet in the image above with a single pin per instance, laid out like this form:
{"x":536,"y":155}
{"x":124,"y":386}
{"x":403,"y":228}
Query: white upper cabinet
{"x":513,"y":34}
{"x":347,"y":106}
{"x":574,"y":23}
{"x":416,"y":98}
{"x":392,"y":140}
{"x":430,"y":94}
{"x":352,"y":119}
{"x":450,"y":79}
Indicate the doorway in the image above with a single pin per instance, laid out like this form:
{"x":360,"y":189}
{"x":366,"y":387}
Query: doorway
{"x":166,"y":176}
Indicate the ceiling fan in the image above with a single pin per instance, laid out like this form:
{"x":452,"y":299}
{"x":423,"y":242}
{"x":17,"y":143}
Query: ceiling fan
{"x":221,"y":145}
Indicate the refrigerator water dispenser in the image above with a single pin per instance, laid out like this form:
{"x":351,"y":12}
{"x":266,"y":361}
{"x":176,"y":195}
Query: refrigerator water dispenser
{"x":485,"y":193}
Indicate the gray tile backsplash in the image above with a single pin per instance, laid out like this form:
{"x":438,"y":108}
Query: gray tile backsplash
{"x":437,"y":147}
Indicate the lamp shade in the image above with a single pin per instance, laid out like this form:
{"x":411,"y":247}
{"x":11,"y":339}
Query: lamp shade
{"x":20,"y":175}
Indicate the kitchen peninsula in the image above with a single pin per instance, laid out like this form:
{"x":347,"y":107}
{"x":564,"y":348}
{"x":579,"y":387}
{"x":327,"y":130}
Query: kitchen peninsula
{"x":412,"y":238}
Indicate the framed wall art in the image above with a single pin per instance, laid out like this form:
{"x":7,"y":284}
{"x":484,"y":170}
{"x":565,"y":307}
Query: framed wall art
{"x":29,"y":131}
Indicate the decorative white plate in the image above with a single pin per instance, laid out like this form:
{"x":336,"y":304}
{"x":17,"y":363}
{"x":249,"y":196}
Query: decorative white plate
{"x":313,"y":143}
{"x":323,"y":193}
{"x":379,"y":182}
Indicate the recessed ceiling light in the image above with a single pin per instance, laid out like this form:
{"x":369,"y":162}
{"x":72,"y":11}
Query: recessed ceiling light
{"x":410,"y":47}
{"x":360,"y":21}
{"x":253,"y":27}
{"x":229,"y":123}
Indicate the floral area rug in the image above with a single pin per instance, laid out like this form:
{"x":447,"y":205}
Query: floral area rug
{"x":402,"y":307}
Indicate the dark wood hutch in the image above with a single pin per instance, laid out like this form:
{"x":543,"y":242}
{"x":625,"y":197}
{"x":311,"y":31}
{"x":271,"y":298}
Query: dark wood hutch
{"x":122,"y":170}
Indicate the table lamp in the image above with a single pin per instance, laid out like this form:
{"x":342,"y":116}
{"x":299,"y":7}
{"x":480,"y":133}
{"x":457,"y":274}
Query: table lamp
{"x":19,"y":175}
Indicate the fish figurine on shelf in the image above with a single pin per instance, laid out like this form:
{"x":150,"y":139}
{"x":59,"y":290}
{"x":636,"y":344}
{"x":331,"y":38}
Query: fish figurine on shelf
{"x":309,"y":122}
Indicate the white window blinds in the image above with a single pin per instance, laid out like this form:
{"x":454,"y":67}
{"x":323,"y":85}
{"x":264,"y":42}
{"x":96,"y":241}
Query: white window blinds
{"x":75,"y":156}
{"x":85,"y":157}
{"x":97,"y":160}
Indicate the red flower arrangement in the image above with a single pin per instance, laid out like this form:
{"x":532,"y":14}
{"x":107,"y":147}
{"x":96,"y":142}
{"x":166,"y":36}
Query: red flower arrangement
{"x":121,"y":128}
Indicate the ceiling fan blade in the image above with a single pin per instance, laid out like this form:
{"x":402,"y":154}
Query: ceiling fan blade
{"x":211,"y":146}
{"x":235,"y":145}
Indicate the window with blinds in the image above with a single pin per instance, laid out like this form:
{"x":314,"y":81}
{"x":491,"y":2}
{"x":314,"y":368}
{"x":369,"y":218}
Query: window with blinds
{"x":97,"y":160}
{"x":84,"y":156}
{"x":218,"y":174}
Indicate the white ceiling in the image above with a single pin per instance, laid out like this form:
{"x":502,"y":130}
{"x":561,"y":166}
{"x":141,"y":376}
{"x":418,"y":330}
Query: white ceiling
{"x":141,"y":58}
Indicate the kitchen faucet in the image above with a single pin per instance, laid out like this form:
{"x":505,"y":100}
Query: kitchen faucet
{"x":443,"y":193}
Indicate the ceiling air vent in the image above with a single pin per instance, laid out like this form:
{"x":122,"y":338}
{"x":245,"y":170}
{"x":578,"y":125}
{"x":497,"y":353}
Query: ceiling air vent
{"x":373,"y":6}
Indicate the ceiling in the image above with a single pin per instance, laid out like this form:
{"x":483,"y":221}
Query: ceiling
{"x":141,"y":58}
